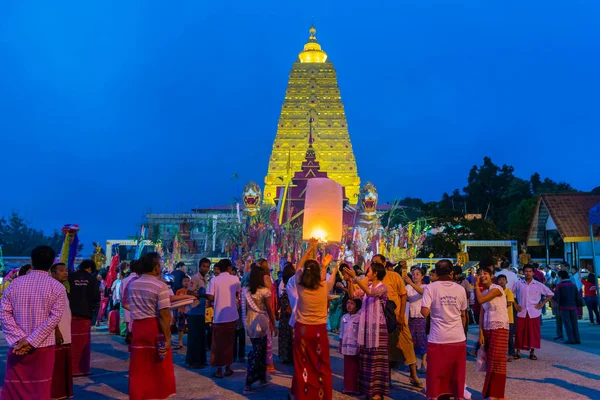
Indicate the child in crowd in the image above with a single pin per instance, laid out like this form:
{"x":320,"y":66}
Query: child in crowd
{"x":180,"y":317}
{"x":349,"y":345}
{"x":210,"y":312}
{"x":510,"y":301}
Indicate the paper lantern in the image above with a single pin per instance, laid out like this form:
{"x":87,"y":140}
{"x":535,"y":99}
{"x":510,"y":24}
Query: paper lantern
{"x":323,"y":208}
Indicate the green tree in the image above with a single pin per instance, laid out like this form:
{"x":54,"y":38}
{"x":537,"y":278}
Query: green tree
{"x":520,"y":219}
{"x":486,"y":185}
{"x":548,"y":185}
{"x":18,"y":239}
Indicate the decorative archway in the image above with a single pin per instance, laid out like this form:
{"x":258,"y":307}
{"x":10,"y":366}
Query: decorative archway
{"x":513,"y":244}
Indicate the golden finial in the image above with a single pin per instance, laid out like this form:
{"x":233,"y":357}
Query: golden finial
{"x":312,"y":49}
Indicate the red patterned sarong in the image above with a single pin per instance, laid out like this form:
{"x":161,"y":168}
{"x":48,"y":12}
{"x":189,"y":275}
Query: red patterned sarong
{"x":528,"y":333}
{"x":81,"y":346}
{"x":496,"y":348}
{"x":28,"y":376}
{"x":446,"y":369}
{"x":149,"y":376}
{"x":312,"y":366}
{"x":351,"y":374}
{"x":223,"y":340}
{"x":62,"y":378}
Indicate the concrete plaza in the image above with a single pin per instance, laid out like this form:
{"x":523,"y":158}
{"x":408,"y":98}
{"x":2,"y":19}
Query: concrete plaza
{"x":562,"y":371}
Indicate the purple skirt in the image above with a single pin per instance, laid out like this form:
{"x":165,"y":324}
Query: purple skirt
{"x":418,"y":332}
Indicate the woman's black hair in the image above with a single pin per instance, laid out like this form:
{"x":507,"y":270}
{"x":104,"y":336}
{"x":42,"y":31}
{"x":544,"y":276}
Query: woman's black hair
{"x":257,"y":279}
{"x":485,"y":269}
{"x":24,"y":270}
{"x":311,"y":277}
{"x":457,"y":270}
{"x":288,"y":272}
{"x":379,"y":271}
{"x":591,"y":278}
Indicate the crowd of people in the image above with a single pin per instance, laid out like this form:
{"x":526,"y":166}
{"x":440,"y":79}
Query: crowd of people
{"x":385,"y":316}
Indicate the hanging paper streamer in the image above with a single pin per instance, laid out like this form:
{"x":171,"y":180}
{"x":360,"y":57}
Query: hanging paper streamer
{"x":113,"y":270}
{"x":69,"y":248}
{"x":176,"y":253}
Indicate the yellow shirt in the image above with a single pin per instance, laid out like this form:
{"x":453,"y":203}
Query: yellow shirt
{"x":396,"y":288}
{"x":510,"y":298}
{"x":312,"y":305}
{"x":210,"y":312}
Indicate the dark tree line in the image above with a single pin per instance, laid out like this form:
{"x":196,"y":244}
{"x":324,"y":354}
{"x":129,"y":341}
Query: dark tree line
{"x":18,"y":239}
{"x":505,"y":202}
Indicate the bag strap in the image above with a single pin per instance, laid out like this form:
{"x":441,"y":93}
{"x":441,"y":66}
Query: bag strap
{"x":251,"y":303}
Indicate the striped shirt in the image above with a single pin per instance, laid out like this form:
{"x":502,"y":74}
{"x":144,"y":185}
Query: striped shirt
{"x":31,"y":309}
{"x":146,"y":296}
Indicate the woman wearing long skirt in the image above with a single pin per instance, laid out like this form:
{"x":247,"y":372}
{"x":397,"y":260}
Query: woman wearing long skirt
{"x":374,"y":374}
{"x":494,"y":331}
{"x":258,"y":317}
{"x":286,"y":332}
{"x":151,"y":373}
{"x":417,"y":324}
{"x":312,"y":366}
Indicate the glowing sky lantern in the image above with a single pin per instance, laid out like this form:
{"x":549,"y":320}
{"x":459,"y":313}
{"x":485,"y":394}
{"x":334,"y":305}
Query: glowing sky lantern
{"x":323,"y":210}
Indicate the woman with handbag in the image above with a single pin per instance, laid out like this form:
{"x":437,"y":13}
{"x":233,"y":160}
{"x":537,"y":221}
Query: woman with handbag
{"x":373,"y":376}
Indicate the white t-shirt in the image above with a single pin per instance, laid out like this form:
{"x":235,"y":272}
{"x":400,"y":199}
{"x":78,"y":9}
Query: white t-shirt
{"x":414,"y":299}
{"x":511,"y":277}
{"x":292,"y":292}
{"x":496,"y":312}
{"x":64,"y":325}
{"x":224,"y":287}
{"x":445,"y":300}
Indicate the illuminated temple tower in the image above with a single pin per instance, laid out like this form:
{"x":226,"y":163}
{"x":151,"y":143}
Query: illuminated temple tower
{"x":312,"y":93}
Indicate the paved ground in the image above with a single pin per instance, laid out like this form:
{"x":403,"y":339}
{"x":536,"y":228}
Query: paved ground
{"x":562,"y":371}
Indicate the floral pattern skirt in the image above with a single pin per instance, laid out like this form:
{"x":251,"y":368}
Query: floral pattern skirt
{"x":257,"y":361}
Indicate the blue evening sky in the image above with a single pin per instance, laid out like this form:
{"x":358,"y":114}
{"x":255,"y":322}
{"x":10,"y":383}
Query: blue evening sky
{"x":109,"y":109}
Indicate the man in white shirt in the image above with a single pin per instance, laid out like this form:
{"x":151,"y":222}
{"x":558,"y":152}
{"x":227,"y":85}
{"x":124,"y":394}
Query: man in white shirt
{"x":511,"y":277}
{"x":528,"y":298}
{"x":223,"y":292}
{"x":446,"y":303}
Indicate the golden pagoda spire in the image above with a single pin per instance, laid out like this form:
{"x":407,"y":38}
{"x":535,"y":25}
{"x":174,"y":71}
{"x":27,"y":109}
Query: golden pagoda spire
{"x":313,"y":105}
{"x":312,"y":52}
